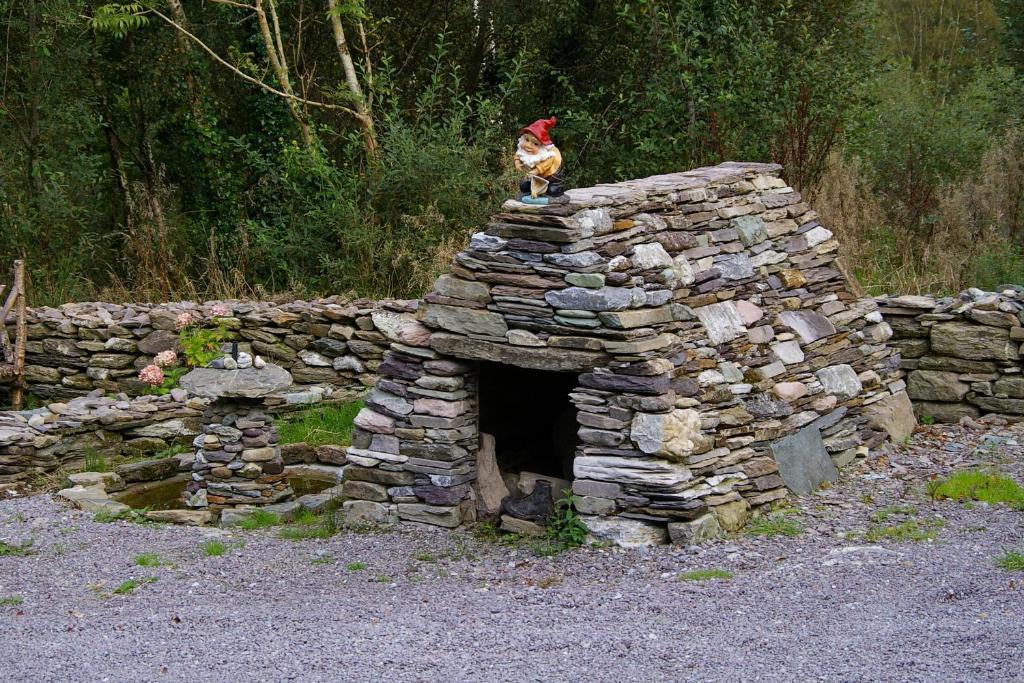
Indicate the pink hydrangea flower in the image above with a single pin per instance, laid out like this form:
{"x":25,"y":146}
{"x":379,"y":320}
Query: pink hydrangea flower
{"x":151,"y":375}
{"x":183,"y":320}
{"x":166,"y":359}
{"x":220,"y":310}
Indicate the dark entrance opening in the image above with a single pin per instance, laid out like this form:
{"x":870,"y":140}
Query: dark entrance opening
{"x":531,"y":417}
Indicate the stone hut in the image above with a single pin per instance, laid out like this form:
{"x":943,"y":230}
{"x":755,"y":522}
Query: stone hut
{"x":678,"y":349}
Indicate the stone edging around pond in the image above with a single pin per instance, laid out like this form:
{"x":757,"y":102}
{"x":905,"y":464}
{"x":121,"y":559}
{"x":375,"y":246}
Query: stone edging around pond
{"x":100,"y":492}
{"x":59,"y":434}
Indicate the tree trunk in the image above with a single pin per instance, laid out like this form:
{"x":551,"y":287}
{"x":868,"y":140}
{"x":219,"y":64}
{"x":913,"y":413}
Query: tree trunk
{"x":278,"y":65}
{"x":352,"y":80}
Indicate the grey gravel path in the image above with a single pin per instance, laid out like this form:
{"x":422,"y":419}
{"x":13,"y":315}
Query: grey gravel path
{"x":433,"y":605}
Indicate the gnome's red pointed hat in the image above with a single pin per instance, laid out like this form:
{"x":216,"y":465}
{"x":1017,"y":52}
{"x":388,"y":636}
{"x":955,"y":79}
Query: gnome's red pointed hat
{"x":539,"y":129}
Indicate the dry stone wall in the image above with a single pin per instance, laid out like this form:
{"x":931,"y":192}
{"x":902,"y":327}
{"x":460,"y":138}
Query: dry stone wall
{"x":63,"y":433}
{"x":79,"y":347}
{"x":962,"y":354}
{"x":720,"y":356}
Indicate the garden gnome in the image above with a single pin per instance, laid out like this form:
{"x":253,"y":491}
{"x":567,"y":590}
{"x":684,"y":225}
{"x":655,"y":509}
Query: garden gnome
{"x":540,"y":160}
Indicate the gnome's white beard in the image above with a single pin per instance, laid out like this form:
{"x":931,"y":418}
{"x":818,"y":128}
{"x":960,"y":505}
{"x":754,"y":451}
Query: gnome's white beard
{"x":531,"y":160}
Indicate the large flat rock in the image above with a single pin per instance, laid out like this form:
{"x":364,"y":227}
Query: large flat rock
{"x":534,"y":357}
{"x":247,"y":383}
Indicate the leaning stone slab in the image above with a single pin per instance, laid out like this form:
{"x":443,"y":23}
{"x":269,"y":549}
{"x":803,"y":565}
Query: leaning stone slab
{"x":626,"y":533}
{"x":803,"y":461}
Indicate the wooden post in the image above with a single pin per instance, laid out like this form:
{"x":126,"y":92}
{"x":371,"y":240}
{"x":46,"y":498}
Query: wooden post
{"x":21,"y":332}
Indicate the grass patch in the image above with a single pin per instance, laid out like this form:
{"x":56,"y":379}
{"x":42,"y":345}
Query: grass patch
{"x":11,"y":601}
{"x":981,"y":485}
{"x":425,"y":557}
{"x":1011,"y":561}
{"x":910,"y":530}
{"x":322,"y":559}
{"x":130,"y":585}
{"x":707,"y":575}
{"x":9,"y":549}
{"x":148,"y":560}
{"x":95,"y":462}
{"x":774,"y":524}
{"x":320,"y":426}
{"x":355,"y":566}
{"x":381,"y":578}
{"x":213,"y":548}
{"x":260,"y":519}
{"x":309,"y":525}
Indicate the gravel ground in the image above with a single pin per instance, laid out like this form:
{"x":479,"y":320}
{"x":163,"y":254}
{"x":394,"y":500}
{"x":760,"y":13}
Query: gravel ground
{"x":433,"y":605}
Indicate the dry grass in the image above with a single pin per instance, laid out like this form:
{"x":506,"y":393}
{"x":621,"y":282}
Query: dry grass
{"x":965,"y":242}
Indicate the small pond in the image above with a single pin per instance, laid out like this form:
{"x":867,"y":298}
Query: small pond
{"x":166,"y":495}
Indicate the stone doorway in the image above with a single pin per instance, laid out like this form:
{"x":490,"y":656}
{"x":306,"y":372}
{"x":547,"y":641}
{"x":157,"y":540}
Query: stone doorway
{"x":532,"y":420}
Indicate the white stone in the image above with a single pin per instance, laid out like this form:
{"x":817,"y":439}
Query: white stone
{"x":672,"y":435}
{"x":651,"y":472}
{"x":767,"y":258}
{"x":651,"y":256}
{"x":314,"y":359}
{"x":710,"y":377}
{"x":523,"y":338}
{"x":722,"y":321}
{"x":788,"y":352}
{"x":626,"y":533}
{"x":840,"y":381}
{"x":817,"y":235}
{"x":683,"y":270}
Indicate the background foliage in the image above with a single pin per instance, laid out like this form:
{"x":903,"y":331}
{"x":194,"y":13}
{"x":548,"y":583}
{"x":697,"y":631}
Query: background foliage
{"x":134,"y":166}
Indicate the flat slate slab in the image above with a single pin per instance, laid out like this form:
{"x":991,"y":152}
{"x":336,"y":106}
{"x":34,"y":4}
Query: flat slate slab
{"x":803,"y":461}
{"x":247,"y":383}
